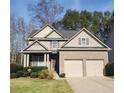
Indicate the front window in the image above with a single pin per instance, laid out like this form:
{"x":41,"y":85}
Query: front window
{"x":37,"y":60}
{"x":54,"y":44}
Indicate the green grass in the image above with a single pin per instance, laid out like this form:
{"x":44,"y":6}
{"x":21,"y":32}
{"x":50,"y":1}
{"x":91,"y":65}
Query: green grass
{"x":28,"y":85}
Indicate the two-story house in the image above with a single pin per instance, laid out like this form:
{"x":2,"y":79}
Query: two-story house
{"x":75,"y":53}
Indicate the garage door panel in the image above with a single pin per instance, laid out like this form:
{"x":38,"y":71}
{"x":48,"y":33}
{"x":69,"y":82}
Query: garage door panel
{"x":94,"y":67}
{"x":73,"y":68}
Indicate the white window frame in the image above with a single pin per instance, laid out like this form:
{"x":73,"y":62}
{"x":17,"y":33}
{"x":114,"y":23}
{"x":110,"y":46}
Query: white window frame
{"x":83,"y":41}
{"x":54,"y":44}
{"x":38,"y":62}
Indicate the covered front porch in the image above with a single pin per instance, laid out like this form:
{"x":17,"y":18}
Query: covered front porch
{"x":51,"y":60}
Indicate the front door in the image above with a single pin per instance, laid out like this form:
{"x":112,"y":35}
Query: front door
{"x":53,"y":62}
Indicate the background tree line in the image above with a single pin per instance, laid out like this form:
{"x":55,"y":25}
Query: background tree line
{"x":99,"y":23}
{"x":19,"y":31}
{"x":49,"y":11}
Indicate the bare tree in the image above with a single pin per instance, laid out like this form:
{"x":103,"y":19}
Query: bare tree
{"x":46,"y":11}
{"x":31,"y":27}
{"x":22,"y":32}
{"x":19,"y":31}
{"x":12,"y":33}
{"x":13,"y":45}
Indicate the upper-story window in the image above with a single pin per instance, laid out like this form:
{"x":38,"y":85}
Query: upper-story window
{"x":54,"y":44}
{"x":83,"y":41}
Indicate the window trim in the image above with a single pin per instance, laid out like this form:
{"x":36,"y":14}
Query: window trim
{"x":37,"y":58}
{"x":54,"y":43}
{"x":83,"y":41}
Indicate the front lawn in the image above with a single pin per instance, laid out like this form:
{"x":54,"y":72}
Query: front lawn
{"x":29,"y":85}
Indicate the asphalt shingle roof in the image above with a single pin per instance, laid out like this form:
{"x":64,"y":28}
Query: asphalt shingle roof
{"x":67,"y":33}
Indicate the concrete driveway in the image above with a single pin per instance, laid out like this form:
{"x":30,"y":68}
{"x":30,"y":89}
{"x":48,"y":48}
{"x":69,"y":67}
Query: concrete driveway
{"x":92,"y":84}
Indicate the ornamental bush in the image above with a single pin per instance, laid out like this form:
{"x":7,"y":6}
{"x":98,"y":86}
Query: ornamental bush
{"x":26,"y":74}
{"x":109,"y":69}
{"x":45,"y":74}
{"x":35,"y":68}
{"x":20,"y":73}
{"x":41,"y":76}
{"x":13,"y":75}
{"x":62,"y":75}
{"x":15,"y":67}
{"x":50,"y":76}
{"x":34,"y":75}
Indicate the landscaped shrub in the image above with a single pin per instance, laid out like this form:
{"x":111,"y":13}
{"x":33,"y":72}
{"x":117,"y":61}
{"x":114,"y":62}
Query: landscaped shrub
{"x":20,"y":73}
{"x":45,"y":74}
{"x":15,"y":67}
{"x":35,"y":68}
{"x":19,"y":67}
{"x":34,"y":75}
{"x":50,"y":76}
{"x":41,"y":76}
{"x":62,"y":75}
{"x":26,"y":74}
{"x":13,"y":75}
{"x":109,"y":69}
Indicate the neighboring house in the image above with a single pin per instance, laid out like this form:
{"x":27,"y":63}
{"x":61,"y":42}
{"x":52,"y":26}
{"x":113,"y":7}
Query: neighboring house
{"x":75,"y":53}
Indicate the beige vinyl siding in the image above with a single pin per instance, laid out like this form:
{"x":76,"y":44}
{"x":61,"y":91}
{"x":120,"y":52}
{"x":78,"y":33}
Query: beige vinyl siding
{"x":54,"y":35}
{"x":47,"y":44}
{"x":36,"y":46}
{"x":44,"y":32}
{"x":61,"y":43}
{"x":91,"y":41}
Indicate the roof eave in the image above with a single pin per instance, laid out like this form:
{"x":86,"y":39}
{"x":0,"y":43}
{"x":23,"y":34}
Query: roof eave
{"x":46,"y":39}
{"x":85,"y":49}
{"x":38,"y":51}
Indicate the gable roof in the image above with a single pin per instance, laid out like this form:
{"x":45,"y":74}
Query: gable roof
{"x":88,"y":32}
{"x":70,"y":34}
{"x":33,"y":44}
{"x":43,"y":28}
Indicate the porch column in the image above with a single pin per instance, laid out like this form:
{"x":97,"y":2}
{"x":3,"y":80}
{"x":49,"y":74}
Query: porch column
{"x":45,"y":61}
{"x":27,"y":60}
{"x":48,"y":62}
{"x":22,"y":57}
{"x":24,"y":60}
